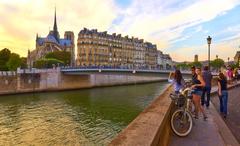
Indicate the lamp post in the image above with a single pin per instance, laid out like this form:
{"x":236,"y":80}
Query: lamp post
{"x":209,"y":40}
{"x":238,"y":61}
{"x":228,"y":60}
{"x":216,"y":56}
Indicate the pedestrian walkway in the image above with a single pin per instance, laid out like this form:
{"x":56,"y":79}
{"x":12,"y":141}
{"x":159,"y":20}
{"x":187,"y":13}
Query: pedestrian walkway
{"x":214,"y":131}
{"x":233,"y":118}
{"x":204,"y":133}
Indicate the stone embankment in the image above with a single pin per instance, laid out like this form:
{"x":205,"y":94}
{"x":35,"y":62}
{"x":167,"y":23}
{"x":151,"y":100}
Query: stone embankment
{"x":25,"y":81}
{"x":152,"y":127}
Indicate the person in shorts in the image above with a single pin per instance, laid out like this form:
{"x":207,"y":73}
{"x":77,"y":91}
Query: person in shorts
{"x":198,"y":84}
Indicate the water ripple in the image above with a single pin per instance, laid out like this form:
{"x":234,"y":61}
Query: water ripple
{"x":86,"y":117}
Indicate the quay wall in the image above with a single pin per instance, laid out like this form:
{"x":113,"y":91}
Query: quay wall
{"x":151,"y":127}
{"x":24,"y":81}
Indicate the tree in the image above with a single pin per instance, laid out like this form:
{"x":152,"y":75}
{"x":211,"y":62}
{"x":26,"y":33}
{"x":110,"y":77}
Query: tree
{"x":23,"y":62}
{"x":4,"y":57}
{"x":217,"y":63}
{"x":196,"y":64}
{"x":14,"y":62}
{"x":47,"y":63}
{"x":183,"y":66}
{"x":63,"y":56}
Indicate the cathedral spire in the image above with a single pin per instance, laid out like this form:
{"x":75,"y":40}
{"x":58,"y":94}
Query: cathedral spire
{"x":36,"y":36}
{"x":55,"y":22}
{"x":55,"y":30}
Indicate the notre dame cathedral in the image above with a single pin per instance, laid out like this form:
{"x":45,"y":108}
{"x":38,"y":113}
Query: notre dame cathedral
{"x":51,"y":43}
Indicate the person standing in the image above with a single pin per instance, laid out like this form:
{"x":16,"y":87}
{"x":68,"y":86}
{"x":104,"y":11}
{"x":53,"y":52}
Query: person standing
{"x":238,"y":78}
{"x":177,"y":80}
{"x":193,"y":71}
{"x":207,"y":77}
{"x":223,"y":94}
{"x":198,"y":84}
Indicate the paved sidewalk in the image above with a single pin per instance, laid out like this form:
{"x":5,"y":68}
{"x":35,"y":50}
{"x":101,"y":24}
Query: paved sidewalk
{"x":204,"y":133}
{"x":233,"y":118}
{"x":214,"y":132}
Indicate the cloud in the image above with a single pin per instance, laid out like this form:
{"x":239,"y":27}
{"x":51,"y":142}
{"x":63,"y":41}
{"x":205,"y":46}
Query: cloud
{"x":223,"y":49}
{"x":161,"y":21}
{"x":20,"y":21}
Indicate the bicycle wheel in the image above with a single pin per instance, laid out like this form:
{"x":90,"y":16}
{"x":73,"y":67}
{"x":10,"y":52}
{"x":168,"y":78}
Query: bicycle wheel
{"x":181,"y":122}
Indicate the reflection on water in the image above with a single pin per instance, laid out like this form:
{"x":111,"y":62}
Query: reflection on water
{"x":83,"y":117}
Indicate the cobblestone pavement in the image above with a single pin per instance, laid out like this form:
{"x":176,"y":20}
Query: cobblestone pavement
{"x":233,"y":118}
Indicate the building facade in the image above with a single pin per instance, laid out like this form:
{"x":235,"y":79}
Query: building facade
{"x":237,"y":57}
{"x":51,"y":43}
{"x":111,"y":50}
{"x":168,"y":63}
{"x":160,"y":61}
{"x":164,"y":61}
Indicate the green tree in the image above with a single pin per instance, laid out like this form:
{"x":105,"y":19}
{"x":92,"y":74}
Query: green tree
{"x":217,"y":63}
{"x":4,"y":57}
{"x":47,"y":63}
{"x":183,"y":66}
{"x":23,"y":62}
{"x":63,"y":56}
{"x":14,"y":62}
{"x":196,"y":64}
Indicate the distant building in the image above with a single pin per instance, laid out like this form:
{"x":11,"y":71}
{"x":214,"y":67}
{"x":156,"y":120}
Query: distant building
{"x":102,"y":49}
{"x":52,"y":43}
{"x":164,"y":61}
{"x":168,"y":63}
{"x":160,"y":60}
{"x":237,"y":57}
{"x":151,"y":55}
{"x":195,"y":58}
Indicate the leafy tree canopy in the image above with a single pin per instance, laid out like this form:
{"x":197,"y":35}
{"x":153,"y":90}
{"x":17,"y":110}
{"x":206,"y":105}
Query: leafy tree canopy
{"x":196,"y":64}
{"x":63,"y":56}
{"x":23,"y":62}
{"x":4,"y":57}
{"x":47,"y":63}
{"x":14,"y":62}
{"x":217,"y":63}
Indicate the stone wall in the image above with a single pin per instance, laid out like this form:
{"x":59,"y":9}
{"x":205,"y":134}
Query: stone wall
{"x":24,"y":81}
{"x":151,"y":127}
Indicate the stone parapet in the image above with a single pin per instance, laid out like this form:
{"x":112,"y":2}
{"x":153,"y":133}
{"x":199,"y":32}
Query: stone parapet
{"x":149,"y":128}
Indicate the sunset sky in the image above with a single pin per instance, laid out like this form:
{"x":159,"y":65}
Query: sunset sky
{"x":178,"y":27}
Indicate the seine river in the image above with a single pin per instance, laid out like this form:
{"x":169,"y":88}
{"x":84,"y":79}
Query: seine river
{"x":80,"y":117}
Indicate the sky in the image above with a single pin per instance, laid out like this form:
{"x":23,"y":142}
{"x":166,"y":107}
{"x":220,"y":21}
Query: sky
{"x":178,"y":27}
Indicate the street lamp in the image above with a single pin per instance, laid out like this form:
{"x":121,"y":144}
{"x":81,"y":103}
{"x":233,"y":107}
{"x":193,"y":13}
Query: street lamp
{"x":228,"y":60}
{"x":238,"y":61}
{"x":209,"y":40}
{"x":216,"y":56}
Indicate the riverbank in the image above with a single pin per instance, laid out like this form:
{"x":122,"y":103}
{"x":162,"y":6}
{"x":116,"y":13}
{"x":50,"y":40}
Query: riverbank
{"x":79,"y":117}
{"x":53,"y":80}
{"x":152,"y":127}
{"x":25,"y":91}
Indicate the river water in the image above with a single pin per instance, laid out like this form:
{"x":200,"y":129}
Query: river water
{"x":80,"y":117}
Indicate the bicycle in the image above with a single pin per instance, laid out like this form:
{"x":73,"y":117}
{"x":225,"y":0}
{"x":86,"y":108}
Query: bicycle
{"x":181,"y":119}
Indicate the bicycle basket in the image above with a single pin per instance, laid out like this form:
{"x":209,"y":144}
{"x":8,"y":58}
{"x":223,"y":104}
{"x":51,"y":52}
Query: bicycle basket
{"x":180,"y":101}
